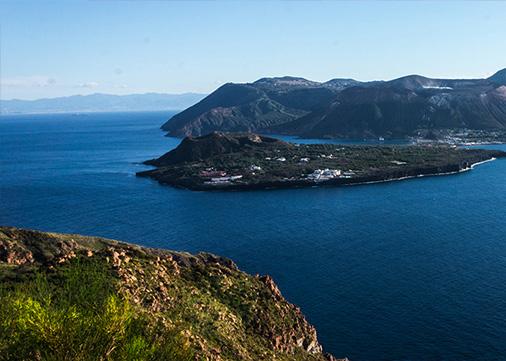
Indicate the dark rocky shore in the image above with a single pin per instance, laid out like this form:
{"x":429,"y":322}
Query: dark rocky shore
{"x":245,"y":161}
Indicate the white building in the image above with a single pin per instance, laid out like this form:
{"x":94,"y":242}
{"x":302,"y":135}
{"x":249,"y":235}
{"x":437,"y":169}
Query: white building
{"x":220,"y":180}
{"x":324,"y":174}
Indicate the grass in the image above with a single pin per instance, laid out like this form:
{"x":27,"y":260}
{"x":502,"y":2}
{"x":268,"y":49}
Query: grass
{"x":76,"y":314}
{"x":81,"y":298}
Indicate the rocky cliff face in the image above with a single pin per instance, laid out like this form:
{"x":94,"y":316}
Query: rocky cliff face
{"x":348,"y":108}
{"x":218,"y":312}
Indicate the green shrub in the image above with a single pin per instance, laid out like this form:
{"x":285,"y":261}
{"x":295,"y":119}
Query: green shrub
{"x":76,"y":314}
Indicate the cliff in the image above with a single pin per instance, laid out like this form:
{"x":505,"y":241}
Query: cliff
{"x":71,"y":297}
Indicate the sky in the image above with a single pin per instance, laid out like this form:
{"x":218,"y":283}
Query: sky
{"x":61,"y":48}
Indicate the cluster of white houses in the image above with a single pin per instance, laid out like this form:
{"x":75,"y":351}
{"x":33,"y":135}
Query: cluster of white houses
{"x":324,"y":174}
{"x":320,"y":175}
{"x":224,"y":180}
{"x":217,"y":177}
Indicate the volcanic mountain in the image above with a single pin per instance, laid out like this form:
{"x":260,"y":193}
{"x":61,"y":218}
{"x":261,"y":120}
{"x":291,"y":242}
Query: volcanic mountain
{"x":254,"y":106}
{"x":348,"y":108}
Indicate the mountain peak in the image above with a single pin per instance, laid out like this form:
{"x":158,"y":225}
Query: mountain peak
{"x":499,"y":77}
{"x":214,"y":143}
{"x":341,"y":83}
{"x":415,"y":81}
{"x":286,"y":81}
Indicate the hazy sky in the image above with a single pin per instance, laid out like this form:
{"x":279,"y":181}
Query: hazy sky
{"x":78,"y":47}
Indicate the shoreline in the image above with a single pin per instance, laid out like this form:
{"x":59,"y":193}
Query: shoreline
{"x":304,"y":184}
{"x":406,"y":140}
{"x":372,"y":141}
{"x":471,"y":167}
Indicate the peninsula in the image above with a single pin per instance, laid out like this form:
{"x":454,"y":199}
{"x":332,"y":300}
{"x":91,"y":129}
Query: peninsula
{"x":234,"y":161}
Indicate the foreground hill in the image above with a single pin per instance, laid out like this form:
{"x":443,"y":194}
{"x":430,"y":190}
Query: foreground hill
{"x":409,"y":106}
{"x":226,"y":161}
{"x":70,"y":297}
{"x":101,"y":103}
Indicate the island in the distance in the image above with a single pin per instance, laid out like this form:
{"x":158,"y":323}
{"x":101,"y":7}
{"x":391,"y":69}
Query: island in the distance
{"x":242,"y":161}
{"x":411,"y":107}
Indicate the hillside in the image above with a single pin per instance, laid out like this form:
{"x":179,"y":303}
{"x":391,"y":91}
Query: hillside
{"x":249,"y":107}
{"x":70,"y":297}
{"x":216,"y":144}
{"x":404,"y":106}
{"x":499,"y":77}
{"x":409,"y":106}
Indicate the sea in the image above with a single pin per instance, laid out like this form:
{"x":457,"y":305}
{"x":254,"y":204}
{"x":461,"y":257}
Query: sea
{"x":404,"y":270}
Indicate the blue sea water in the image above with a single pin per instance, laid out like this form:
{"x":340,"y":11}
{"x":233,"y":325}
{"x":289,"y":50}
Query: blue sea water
{"x":409,"y":270}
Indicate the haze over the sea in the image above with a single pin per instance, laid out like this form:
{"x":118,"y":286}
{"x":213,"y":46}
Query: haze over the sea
{"x":52,"y":49}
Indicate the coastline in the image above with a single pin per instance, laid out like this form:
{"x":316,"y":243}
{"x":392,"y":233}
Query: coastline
{"x":304,"y":184}
{"x":471,"y":167}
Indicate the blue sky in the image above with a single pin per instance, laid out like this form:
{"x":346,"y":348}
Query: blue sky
{"x":57,"y":48}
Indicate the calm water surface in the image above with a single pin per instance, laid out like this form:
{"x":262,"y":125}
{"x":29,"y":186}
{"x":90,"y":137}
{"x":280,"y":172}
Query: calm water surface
{"x":411,"y":270}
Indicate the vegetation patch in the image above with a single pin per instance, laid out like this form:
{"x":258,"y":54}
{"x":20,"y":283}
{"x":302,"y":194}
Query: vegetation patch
{"x":69,"y":297}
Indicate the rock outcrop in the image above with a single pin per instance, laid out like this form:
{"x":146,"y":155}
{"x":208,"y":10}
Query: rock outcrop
{"x":221,"y":312}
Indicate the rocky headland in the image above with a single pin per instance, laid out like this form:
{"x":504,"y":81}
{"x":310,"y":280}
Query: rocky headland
{"x":71,"y":297}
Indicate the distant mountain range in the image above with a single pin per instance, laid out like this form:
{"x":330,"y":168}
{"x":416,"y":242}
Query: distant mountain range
{"x":101,"y":103}
{"x":347,"y":108}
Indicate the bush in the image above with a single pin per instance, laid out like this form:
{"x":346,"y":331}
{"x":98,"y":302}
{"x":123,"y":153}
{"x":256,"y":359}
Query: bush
{"x":76,"y":314}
